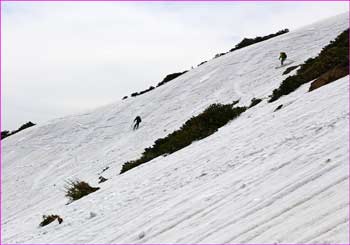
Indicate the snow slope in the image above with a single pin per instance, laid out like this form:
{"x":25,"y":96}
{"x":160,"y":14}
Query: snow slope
{"x":266,"y":177}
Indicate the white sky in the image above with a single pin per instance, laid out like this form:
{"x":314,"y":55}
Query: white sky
{"x":63,"y":58}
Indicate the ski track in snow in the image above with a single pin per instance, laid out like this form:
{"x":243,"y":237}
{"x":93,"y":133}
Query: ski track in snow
{"x":265,"y":177}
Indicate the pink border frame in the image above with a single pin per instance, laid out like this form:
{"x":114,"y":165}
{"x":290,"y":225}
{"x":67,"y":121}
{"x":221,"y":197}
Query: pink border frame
{"x":160,"y":1}
{"x":0,"y":125}
{"x":174,"y":1}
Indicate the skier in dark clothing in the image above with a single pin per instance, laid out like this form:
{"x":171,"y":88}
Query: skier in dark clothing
{"x":137,"y":121}
{"x":283,"y":57}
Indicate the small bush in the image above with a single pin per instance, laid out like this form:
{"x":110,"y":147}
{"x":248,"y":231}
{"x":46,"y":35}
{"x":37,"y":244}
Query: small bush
{"x":249,"y":41}
{"x":235,"y":102}
{"x":26,"y":125}
{"x":254,"y":102}
{"x":202,"y":63}
{"x":196,"y":128}
{"x":6,"y":133}
{"x":170,"y":77}
{"x":140,"y":93}
{"x":147,"y":90}
{"x":335,"y":54}
{"x":101,"y":179}
{"x":104,"y":169}
{"x":49,"y":219}
{"x":278,"y":107}
{"x":218,"y":55}
{"x":78,"y":189}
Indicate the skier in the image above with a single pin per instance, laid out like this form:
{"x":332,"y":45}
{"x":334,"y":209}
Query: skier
{"x":137,"y":121}
{"x":283,"y":57}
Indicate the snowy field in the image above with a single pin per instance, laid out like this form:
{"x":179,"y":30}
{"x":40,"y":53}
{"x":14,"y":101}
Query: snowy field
{"x":265,"y":177}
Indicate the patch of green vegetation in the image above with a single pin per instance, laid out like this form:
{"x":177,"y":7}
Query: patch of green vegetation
{"x":77,"y":189}
{"x":47,"y":219}
{"x":196,"y":128}
{"x":6,"y":133}
{"x":254,"y":102}
{"x":278,"y":107}
{"x":170,"y":77}
{"x":335,"y":54}
{"x":250,"y":41}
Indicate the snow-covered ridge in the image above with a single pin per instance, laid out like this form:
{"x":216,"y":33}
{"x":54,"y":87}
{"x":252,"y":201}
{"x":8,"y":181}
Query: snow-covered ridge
{"x":265,"y":177}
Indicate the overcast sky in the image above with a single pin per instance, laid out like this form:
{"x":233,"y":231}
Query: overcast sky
{"x":63,"y":58}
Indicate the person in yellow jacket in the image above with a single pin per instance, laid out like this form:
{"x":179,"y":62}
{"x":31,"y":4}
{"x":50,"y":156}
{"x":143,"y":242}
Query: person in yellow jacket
{"x":283,"y":57}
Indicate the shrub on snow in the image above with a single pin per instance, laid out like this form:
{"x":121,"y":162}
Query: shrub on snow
{"x":78,"y":189}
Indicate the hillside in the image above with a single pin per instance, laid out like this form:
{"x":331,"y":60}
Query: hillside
{"x":265,"y":177}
